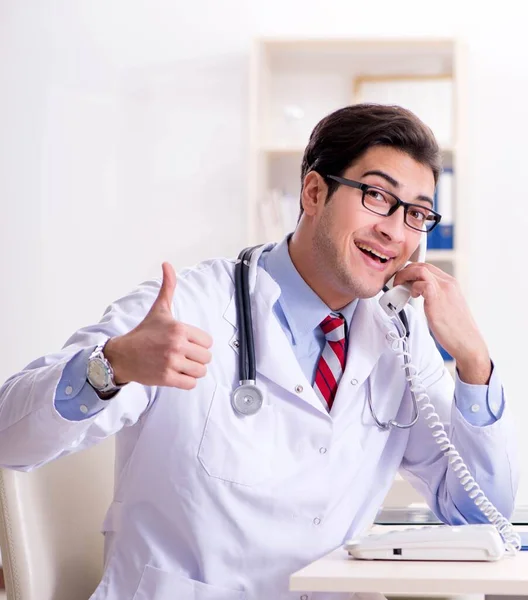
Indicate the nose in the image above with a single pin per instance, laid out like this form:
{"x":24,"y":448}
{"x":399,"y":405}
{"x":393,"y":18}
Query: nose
{"x":392,"y":228}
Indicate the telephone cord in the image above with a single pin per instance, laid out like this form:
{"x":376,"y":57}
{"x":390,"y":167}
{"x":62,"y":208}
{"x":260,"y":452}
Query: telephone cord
{"x":399,"y":344}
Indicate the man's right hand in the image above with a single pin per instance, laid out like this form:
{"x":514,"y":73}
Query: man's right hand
{"x":161,"y":351}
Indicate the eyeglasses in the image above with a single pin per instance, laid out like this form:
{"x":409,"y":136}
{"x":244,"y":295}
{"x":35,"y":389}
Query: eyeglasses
{"x":385,"y":203}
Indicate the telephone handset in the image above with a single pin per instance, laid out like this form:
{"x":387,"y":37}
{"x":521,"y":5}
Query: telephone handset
{"x":395,"y":299}
{"x":393,"y":302}
{"x":398,"y":296}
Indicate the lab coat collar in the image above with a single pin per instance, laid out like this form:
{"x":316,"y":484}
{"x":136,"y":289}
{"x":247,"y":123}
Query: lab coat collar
{"x":275,"y":358}
{"x":367,"y":339}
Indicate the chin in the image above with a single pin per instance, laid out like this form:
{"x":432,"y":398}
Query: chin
{"x":365,"y":293}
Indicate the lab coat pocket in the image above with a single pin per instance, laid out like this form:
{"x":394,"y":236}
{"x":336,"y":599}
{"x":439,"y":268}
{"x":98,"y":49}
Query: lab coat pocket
{"x":235,"y":448}
{"x":156,"y":584}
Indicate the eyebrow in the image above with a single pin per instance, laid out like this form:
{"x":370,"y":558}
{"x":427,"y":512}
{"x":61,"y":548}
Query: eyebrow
{"x":395,"y":184}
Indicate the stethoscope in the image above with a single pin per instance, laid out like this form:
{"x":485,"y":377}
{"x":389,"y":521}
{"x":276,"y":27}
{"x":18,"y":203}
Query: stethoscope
{"x":247,"y":398}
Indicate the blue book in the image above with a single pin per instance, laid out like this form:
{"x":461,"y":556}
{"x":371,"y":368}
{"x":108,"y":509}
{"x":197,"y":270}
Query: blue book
{"x":444,"y":237}
{"x":441,"y":238}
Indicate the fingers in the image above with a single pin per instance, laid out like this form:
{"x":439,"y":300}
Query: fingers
{"x":166,"y":293}
{"x":191,"y":368}
{"x":426,"y":289}
{"x":421,"y":280}
{"x":192,"y":361}
{"x":187,"y":365}
{"x":414,"y":272}
{"x":181,"y":381}
{"x":199,"y":336}
{"x":198,"y":354}
{"x":186,"y":372}
{"x":435,"y":271}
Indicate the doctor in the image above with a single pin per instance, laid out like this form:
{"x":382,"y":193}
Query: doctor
{"x":212,"y":505}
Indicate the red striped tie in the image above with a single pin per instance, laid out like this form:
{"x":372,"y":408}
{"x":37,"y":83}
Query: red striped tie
{"x":332,"y":362}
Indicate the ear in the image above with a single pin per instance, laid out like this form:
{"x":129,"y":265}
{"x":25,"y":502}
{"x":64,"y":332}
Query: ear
{"x":314,"y":193}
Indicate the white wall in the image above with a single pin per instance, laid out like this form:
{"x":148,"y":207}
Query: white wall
{"x":128,"y":118}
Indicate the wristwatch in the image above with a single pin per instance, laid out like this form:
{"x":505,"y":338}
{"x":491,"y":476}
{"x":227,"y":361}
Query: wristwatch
{"x":100,"y":374}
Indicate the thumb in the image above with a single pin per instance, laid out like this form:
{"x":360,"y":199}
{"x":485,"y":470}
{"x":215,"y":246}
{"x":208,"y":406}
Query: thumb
{"x":168,"y":286}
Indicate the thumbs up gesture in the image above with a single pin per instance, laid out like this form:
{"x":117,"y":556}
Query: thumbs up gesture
{"x":161,"y":351}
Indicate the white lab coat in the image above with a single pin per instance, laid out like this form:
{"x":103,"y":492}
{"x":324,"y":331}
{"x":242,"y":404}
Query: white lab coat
{"x":213,"y":506}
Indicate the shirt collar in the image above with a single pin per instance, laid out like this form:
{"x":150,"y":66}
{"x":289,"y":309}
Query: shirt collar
{"x":302,"y":307}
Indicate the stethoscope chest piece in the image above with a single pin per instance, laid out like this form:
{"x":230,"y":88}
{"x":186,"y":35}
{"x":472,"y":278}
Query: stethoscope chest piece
{"x":247,"y":399}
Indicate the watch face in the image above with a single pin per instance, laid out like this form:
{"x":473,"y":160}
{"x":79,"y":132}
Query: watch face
{"x":97,"y":373}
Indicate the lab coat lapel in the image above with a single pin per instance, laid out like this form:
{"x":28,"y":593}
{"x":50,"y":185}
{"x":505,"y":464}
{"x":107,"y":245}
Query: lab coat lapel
{"x":367,"y":341}
{"x":275,"y":359}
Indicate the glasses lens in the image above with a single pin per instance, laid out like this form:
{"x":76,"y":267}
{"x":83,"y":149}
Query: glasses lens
{"x":378,"y":201}
{"x":416,"y":216}
{"x":419,"y":217}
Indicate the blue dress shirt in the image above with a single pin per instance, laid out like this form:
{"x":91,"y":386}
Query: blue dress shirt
{"x":299,"y":311}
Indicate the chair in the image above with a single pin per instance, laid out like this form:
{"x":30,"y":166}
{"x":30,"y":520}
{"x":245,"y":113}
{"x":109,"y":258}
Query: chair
{"x":50,"y":521}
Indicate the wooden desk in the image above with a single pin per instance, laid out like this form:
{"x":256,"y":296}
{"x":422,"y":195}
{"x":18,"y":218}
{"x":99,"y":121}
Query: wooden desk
{"x":336,"y":572}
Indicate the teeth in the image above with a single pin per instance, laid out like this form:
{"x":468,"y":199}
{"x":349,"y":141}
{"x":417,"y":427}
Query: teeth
{"x":369,"y":249}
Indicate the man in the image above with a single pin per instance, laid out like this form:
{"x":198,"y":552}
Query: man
{"x":213,"y":505}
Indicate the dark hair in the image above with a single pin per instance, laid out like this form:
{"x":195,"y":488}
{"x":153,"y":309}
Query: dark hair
{"x":342,"y":137}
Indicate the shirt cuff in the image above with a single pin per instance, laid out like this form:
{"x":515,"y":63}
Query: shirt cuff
{"x":75,"y":398}
{"x":480,"y":405}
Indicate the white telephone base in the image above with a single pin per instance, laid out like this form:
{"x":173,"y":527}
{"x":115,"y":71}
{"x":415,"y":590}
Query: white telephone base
{"x":436,"y":542}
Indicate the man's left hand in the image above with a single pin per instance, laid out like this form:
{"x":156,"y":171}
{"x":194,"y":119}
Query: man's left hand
{"x":449,"y":319}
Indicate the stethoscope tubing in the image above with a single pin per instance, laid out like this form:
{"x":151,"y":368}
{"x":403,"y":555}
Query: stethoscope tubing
{"x":241,"y":321}
{"x":248,"y":319}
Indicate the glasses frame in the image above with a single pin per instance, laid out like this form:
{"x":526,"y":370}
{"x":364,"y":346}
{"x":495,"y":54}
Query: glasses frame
{"x":364,"y":187}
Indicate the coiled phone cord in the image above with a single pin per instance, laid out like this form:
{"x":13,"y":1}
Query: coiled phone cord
{"x":400,"y":346}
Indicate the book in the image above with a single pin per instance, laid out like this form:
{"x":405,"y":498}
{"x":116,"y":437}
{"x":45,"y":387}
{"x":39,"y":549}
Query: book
{"x":441,"y":238}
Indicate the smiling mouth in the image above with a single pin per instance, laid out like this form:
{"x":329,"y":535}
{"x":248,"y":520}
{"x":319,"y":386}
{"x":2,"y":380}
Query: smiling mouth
{"x":373,"y":253}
